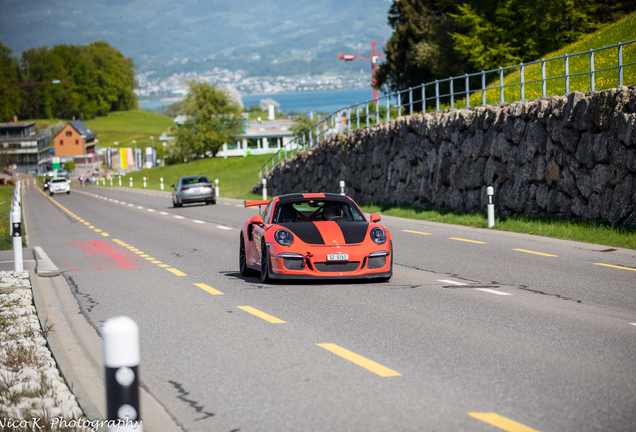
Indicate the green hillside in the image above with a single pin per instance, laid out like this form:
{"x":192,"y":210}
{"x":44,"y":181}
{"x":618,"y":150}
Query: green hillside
{"x":123,"y":127}
{"x":620,"y":31}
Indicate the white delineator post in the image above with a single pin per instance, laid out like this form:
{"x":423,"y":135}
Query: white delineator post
{"x":120,"y":338}
{"x":491,"y":207}
{"x":144,"y":182}
{"x":16,"y":232}
{"x":216,"y":188}
{"x":264,"y":183}
{"x":130,"y":181}
{"x":342,"y":186}
{"x":161,"y":183}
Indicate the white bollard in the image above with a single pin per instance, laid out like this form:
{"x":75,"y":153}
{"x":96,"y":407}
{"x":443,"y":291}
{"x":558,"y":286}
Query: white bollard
{"x":216,"y":188}
{"x":144,"y":182}
{"x":120,"y":339}
{"x":264,"y":183}
{"x":111,"y":181}
{"x":491,"y":207}
{"x":342,"y":185}
{"x":130,"y":181}
{"x":119,"y":180}
{"x":104,"y":181}
{"x":161,"y":183}
{"x":17,"y":238}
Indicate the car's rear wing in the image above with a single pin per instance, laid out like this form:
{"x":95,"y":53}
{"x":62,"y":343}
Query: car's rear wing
{"x":252,"y":203}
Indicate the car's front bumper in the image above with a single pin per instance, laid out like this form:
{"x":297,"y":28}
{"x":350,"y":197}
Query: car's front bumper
{"x":359,"y":265}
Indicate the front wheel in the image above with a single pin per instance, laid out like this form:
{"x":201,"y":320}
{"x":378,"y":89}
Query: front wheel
{"x":265,"y":278}
{"x":51,"y":193}
{"x":68,"y":192}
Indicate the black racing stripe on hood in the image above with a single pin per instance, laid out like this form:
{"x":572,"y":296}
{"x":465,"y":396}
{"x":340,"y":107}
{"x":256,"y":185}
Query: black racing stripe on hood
{"x":353,"y":232}
{"x":306,"y":231}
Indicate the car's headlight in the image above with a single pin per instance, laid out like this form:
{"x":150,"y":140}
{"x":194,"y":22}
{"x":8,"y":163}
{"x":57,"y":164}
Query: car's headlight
{"x":284,"y":237}
{"x":378,"y":235}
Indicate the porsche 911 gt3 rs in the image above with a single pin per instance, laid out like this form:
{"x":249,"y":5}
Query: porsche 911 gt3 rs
{"x":314,"y":235}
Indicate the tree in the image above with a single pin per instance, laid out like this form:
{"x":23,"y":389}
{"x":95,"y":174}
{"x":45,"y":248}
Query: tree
{"x":302,"y":124}
{"x":518,"y":31}
{"x":436,"y":39}
{"x":69,"y":165}
{"x":10,"y":96}
{"x":213,"y":119}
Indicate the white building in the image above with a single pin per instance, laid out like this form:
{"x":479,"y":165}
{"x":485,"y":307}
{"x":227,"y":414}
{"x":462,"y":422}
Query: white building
{"x":261,"y":137}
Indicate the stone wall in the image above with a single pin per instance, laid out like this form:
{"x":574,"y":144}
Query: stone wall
{"x":571,"y":155}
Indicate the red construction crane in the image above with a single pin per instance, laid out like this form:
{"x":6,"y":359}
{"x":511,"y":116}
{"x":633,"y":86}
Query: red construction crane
{"x":374,"y":64}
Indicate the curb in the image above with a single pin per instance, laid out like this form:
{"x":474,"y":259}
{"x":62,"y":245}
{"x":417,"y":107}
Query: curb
{"x":73,"y":381}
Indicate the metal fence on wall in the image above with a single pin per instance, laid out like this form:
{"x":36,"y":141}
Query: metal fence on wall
{"x":592,"y":70}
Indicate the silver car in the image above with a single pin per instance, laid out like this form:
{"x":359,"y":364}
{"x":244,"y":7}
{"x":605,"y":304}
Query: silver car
{"x":193,"y":189}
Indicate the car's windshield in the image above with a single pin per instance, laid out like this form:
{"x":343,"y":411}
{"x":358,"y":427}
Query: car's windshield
{"x":194,"y":180}
{"x":316,"y":211}
{"x":59,"y":180}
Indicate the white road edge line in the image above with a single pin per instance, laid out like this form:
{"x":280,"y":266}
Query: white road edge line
{"x":492,"y":291}
{"x":451,"y":282}
{"x":179,"y":217}
{"x":163,"y":213}
{"x":197,"y":221}
{"x":223,"y":227}
{"x":634,"y":324}
{"x":150,"y":210}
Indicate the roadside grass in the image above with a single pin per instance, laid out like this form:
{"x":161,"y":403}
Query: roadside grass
{"x":237,"y":175}
{"x":567,"y":229}
{"x":6,"y":240}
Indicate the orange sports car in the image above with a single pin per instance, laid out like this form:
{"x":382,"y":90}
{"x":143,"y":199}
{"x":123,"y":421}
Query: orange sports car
{"x":314,"y":236}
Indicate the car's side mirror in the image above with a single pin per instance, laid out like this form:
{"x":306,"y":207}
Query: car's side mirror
{"x":375,"y":217}
{"x":258,"y":220}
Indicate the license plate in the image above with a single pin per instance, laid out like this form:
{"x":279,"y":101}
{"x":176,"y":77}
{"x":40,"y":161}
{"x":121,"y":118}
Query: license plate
{"x":338,"y":257}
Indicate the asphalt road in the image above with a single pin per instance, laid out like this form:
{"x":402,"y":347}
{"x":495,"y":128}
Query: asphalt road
{"x":478,"y":330}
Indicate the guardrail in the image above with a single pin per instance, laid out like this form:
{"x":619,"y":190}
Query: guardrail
{"x":472,"y":90}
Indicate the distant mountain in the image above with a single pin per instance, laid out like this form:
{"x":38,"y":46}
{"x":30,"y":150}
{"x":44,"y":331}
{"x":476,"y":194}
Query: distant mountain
{"x":263,"y":37}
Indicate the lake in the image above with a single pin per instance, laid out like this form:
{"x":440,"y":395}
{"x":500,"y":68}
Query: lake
{"x":327,"y":100}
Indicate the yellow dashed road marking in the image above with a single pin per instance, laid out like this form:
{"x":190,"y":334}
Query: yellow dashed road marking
{"x":208,"y":289}
{"x":177,"y":272}
{"x":466,"y":240}
{"x":615,"y":266}
{"x":374,"y":367}
{"x":501,"y":422}
{"x":262,"y":315}
{"x":535,"y":253}
{"x":416,"y":232}
{"x":164,"y":265}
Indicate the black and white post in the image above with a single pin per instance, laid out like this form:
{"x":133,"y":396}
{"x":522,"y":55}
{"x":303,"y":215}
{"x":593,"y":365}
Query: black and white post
{"x":342,"y":186}
{"x":16,"y":232}
{"x":120,"y":337}
{"x":491,"y":207}
{"x":161,"y":183}
{"x":216,"y":188}
{"x":264,"y":183}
